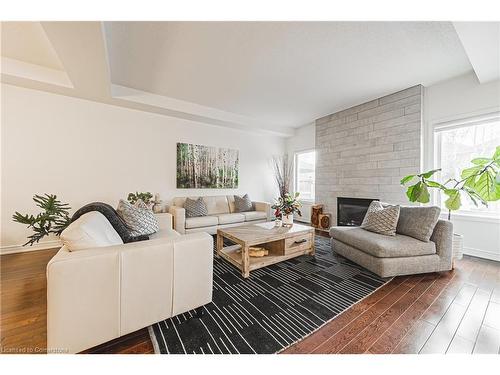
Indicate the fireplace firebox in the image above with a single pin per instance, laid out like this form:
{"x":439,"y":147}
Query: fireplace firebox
{"x":351,"y":211}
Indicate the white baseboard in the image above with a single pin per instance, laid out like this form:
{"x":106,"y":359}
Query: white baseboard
{"x":482,"y":253}
{"x":13,"y":249}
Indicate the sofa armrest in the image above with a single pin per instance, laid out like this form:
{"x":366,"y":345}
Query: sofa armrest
{"x":83,"y":298}
{"x":96,"y":295}
{"x":264,"y":207}
{"x":179,"y":216}
{"x":442,"y":236}
{"x":165,"y":221}
{"x":193,"y":271}
{"x":84,"y":293}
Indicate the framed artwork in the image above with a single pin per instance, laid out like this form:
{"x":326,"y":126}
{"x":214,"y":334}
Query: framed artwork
{"x":204,"y":167}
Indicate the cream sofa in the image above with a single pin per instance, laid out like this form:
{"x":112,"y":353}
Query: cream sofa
{"x":221,"y":213}
{"x":96,"y":295}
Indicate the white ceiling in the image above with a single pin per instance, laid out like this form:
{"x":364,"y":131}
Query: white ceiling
{"x":285,"y":73}
{"x":26,"y":41}
{"x":481,"y":41}
{"x":259,"y":76}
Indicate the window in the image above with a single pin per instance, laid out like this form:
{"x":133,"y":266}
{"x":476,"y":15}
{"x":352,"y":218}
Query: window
{"x":457,"y":143}
{"x":305,"y":174}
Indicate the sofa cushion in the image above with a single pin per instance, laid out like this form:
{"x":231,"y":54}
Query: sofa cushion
{"x":254,"y":215}
{"x":381,"y":219}
{"x":381,"y":246}
{"x":216,"y":204}
{"x":195,"y":208}
{"x":231,"y":218}
{"x":202,"y":221}
{"x":230,"y":201}
{"x":243,"y":204}
{"x":140,"y":220}
{"x":418,"y":222}
{"x":90,"y":230}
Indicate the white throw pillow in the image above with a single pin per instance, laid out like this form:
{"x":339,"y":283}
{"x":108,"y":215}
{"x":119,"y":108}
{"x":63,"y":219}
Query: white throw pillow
{"x":89,"y":231}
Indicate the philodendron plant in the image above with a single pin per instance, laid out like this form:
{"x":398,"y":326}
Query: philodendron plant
{"x":52,"y":220}
{"x":480,"y":183}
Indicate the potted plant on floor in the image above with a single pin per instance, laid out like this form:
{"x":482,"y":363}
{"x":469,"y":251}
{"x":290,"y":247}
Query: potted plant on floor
{"x":480,"y":183}
{"x":286,"y":206}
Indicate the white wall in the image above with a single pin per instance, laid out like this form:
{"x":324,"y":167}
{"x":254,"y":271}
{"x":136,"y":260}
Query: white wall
{"x":456,"y":98}
{"x":303,"y":139}
{"x":453,"y":99}
{"x":85,"y":151}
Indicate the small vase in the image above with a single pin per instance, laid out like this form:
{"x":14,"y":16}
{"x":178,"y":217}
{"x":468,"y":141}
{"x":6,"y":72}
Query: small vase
{"x":287,"y":220}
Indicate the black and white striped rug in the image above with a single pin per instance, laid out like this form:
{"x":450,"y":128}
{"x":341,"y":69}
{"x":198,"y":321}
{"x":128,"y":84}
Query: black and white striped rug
{"x":272,"y":309}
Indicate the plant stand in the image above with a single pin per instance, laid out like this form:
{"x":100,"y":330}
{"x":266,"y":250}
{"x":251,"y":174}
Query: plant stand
{"x":457,"y":247}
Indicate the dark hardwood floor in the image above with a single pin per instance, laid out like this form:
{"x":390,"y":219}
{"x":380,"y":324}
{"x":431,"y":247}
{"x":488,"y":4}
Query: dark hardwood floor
{"x":451,"y":312}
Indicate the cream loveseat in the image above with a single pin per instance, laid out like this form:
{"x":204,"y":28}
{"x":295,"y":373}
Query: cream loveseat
{"x":221,"y":213}
{"x":96,"y":295}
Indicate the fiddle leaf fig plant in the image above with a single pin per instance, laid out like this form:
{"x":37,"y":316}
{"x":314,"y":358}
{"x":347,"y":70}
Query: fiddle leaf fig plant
{"x":480,"y":183}
{"x":420,"y":191}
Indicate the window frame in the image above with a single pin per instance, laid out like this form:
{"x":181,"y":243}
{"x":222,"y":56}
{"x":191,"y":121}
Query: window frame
{"x":435,"y":145}
{"x":296,"y":174}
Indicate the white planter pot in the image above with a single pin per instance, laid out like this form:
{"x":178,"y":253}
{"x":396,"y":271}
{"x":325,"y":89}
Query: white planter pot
{"x":458,"y":246}
{"x":287,"y":219}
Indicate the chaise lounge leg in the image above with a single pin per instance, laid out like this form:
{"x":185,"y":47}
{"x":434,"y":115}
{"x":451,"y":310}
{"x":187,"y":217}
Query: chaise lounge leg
{"x":199,"y":312}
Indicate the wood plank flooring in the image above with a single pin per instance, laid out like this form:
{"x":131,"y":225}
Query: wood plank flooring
{"x":450,"y":312}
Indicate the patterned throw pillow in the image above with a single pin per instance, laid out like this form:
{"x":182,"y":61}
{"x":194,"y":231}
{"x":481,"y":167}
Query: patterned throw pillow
{"x":382,"y":219}
{"x":243,"y":204}
{"x":195,"y":208}
{"x":139,"y":220}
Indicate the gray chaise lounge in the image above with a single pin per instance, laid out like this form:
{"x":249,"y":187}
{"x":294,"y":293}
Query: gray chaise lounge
{"x":389,"y":256}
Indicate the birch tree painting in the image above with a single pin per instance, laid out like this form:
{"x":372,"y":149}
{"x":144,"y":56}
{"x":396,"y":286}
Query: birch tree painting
{"x":201,"y":167}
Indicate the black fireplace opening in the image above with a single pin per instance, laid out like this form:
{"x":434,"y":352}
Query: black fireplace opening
{"x":352,"y":211}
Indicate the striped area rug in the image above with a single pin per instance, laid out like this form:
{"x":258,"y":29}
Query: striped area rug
{"x":272,"y":309}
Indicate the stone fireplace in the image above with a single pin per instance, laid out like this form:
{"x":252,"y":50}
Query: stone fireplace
{"x":364,"y":151}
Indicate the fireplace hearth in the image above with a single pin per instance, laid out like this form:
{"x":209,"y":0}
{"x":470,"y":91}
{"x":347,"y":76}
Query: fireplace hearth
{"x":351,"y":211}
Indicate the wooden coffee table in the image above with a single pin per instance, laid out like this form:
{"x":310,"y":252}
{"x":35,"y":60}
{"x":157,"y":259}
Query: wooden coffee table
{"x":282,"y":242}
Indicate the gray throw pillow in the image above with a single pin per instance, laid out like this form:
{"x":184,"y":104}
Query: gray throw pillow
{"x":243,"y":204}
{"x":139,"y":220}
{"x":195,"y":208}
{"x":418,"y":222}
{"x":381,"y":218}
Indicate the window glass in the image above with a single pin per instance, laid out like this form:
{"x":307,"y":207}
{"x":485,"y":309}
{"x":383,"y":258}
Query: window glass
{"x":305,"y":174}
{"x":456,"y":147}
